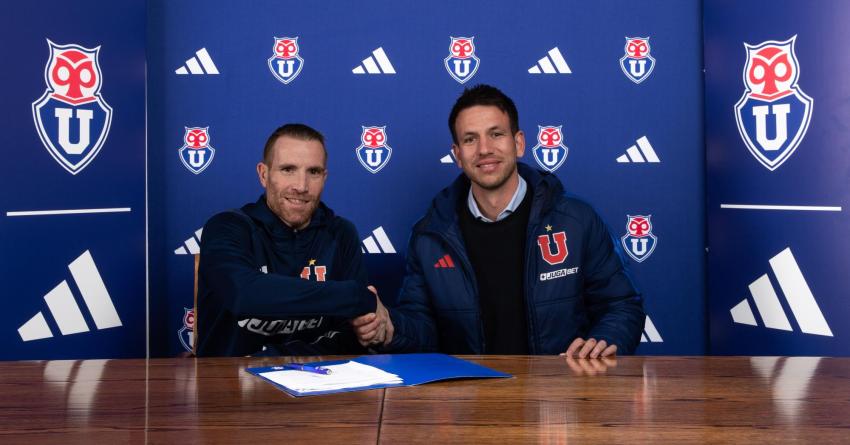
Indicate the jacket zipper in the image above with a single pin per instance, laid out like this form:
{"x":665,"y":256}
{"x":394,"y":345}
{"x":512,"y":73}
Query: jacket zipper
{"x":529,"y":288}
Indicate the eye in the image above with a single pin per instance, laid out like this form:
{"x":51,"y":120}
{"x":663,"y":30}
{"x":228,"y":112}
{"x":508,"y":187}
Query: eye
{"x":287,"y":169}
{"x":315,"y":171}
{"x":468,"y":139}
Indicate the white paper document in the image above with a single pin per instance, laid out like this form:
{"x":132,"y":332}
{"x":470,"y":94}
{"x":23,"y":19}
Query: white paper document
{"x":342,"y":376}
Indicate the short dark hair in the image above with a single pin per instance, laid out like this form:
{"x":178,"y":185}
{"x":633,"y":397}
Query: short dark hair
{"x":487,"y":95}
{"x":296,"y":131}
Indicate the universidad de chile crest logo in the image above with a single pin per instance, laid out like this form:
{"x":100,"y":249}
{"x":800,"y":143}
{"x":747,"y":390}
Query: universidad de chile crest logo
{"x":71,"y":117}
{"x":550,"y":151}
{"x":186,"y":333}
{"x":637,"y":64}
{"x":196,"y":153}
{"x":544,"y":242}
{"x":774,"y":113}
{"x":639,"y":242}
{"x":285,"y":64}
{"x":462,"y":63}
{"x":373,"y":152}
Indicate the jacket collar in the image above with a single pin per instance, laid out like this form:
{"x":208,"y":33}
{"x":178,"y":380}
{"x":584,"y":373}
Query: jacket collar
{"x":544,"y":187}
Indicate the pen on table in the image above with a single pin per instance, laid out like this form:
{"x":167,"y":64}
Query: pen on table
{"x":307,"y":368}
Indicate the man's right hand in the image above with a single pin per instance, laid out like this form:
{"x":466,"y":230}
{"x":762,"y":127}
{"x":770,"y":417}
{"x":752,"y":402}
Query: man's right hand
{"x":374,"y":328}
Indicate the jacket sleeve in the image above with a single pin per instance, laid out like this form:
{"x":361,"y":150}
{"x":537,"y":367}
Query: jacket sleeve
{"x":350,"y":262}
{"x":412,"y":316}
{"x":228,"y":270}
{"x":339,"y":339}
{"x":615,"y":308}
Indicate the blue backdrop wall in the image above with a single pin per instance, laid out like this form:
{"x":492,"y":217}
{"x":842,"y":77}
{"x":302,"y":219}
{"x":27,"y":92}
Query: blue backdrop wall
{"x":611,"y":99}
{"x":623,"y":85}
{"x":72,"y":227}
{"x":777,"y":168}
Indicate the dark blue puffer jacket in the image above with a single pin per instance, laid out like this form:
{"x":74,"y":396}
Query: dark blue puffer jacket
{"x":574,"y":279}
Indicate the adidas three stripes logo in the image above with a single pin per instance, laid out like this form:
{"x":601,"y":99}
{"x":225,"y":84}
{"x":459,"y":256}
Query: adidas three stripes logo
{"x":383,"y":65}
{"x":64,"y":309}
{"x":552,"y":63}
{"x":378,"y":242}
{"x":192,"y":66}
{"x":796,"y":292}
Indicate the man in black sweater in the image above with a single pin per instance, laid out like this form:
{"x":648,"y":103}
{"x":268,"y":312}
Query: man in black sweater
{"x":284,"y":275}
{"x":504,"y":262}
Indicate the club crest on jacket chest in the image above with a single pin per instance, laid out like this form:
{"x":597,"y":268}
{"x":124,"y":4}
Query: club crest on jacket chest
{"x":553,"y":250}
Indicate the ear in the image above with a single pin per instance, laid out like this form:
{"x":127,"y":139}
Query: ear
{"x":456,"y":154}
{"x":519,"y":140}
{"x":262,"y":173}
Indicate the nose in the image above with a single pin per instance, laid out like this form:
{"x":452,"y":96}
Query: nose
{"x":485,"y":147}
{"x":300,"y":183}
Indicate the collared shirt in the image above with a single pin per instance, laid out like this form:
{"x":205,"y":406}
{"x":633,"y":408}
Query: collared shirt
{"x":512,"y":205}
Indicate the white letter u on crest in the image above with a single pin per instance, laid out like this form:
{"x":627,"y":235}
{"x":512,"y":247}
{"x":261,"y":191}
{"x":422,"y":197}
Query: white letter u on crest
{"x":285,"y":72}
{"x":780,"y":113}
{"x":64,"y":116}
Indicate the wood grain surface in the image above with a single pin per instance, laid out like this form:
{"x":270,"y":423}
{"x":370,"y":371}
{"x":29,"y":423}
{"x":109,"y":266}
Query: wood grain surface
{"x":549,"y":400}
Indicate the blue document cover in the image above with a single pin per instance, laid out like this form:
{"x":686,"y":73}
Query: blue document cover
{"x":414,"y":369}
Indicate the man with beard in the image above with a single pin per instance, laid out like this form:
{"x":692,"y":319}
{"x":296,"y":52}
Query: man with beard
{"x":283,"y":275}
{"x":503,"y":262}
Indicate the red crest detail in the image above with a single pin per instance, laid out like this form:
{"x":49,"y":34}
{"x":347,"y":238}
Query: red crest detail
{"x":462,"y":47}
{"x":560,"y":254}
{"x":639,"y":226}
{"x":189,"y":319}
{"x":73,"y":74}
{"x":74,"y":70}
{"x":637,"y":48}
{"x":196,"y":138}
{"x":286,"y":48}
{"x":374,"y":137}
{"x":770,"y":65}
{"x":550,"y":137}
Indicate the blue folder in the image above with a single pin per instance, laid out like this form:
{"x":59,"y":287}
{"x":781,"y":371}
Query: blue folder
{"x":414,"y":369}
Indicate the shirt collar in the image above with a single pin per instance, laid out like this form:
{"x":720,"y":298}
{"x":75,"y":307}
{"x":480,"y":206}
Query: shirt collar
{"x":516,"y":200}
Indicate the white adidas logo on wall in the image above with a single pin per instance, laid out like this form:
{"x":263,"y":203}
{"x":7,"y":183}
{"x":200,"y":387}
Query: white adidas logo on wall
{"x":64,"y":309}
{"x":192,"y":244}
{"x":372,"y":68}
{"x":650,"y":333}
{"x":371,"y":246}
{"x":796,"y":292}
{"x":448,"y":159}
{"x":554,"y":63}
{"x":643,"y":152}
{"x":206,"y":65}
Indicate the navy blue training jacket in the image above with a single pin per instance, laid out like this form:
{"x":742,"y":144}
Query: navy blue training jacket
{"x":579,"y":289}
{"x":264,"y":288}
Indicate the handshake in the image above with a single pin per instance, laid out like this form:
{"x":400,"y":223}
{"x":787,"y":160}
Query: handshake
{"x":374,"y":328}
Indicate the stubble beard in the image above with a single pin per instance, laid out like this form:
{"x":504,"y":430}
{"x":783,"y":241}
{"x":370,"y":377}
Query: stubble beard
{"x":296,"y":219}
{"x":498,"y":183}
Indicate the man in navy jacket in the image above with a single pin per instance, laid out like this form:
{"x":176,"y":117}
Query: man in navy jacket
{"x":283,"y":275}
{"x":503,"y":262}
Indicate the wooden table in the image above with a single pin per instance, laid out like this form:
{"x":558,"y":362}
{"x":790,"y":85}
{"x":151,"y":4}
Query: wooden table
{"x":551,"y":400}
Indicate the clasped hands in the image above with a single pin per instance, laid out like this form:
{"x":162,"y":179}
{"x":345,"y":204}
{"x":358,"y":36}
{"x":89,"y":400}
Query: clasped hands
{"x":374,"y":328}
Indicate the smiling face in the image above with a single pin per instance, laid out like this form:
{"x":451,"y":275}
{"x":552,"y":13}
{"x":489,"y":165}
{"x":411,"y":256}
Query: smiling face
{"x":486,"y":150}
{"x":294,"y":178}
